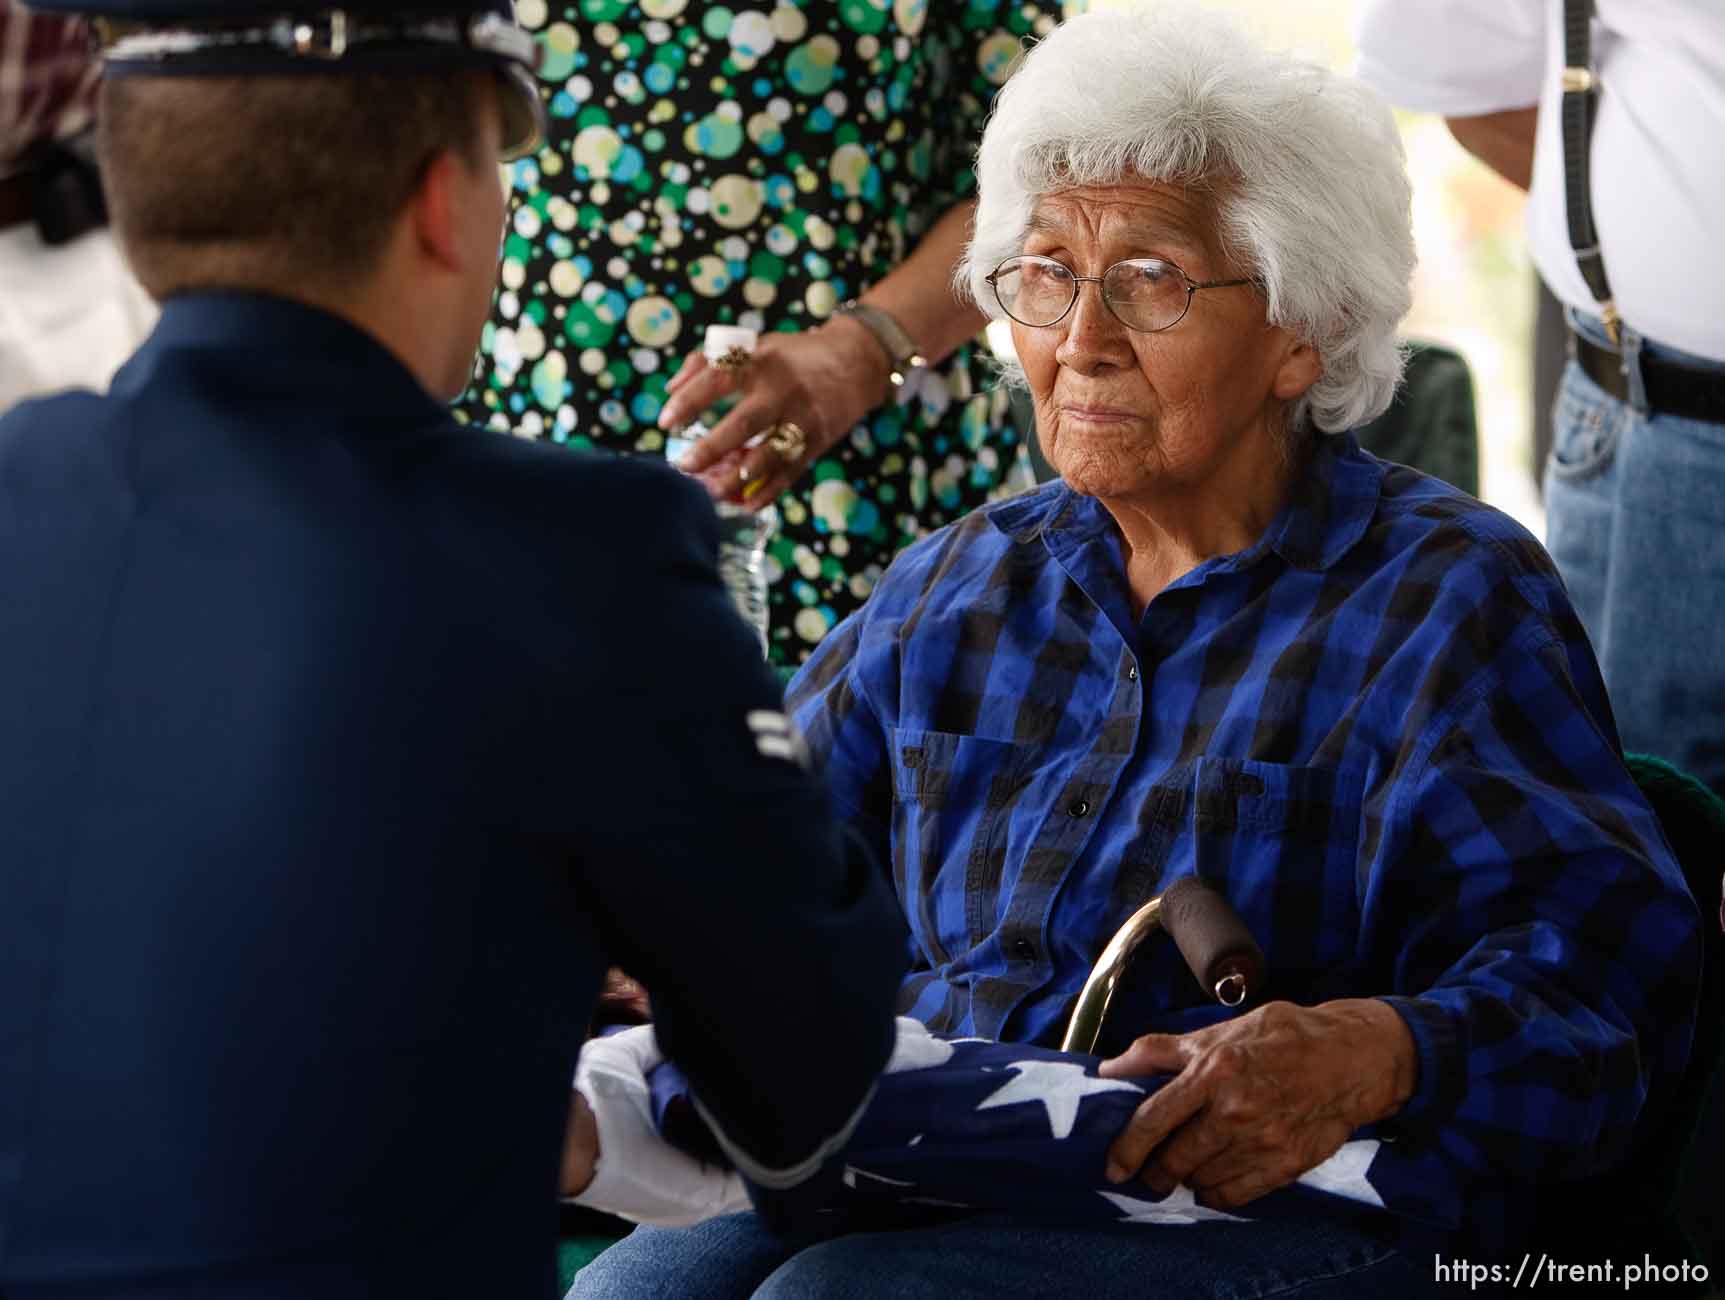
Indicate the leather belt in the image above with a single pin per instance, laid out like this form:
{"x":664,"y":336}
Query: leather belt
{"x":1672,"y":389}
{"x":17,"y":200}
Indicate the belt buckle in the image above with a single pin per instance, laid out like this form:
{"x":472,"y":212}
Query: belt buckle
{"x":332,"y":27}
{"x":1613,"y":322}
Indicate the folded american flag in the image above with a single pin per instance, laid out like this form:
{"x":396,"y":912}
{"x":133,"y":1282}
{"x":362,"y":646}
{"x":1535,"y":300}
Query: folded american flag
{"x":967,"y":1124}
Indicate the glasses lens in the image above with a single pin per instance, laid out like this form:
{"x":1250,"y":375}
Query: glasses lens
{"x":1145,"y":294}
{"x":1033,"y":290}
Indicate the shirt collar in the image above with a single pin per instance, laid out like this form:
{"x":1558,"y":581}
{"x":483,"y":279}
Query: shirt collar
{"x":291,"y":351}
{"x":1048,"y":507}
{"x":1331,"y":507}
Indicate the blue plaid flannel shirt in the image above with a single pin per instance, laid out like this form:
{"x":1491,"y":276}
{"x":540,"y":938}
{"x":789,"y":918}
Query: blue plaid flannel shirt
{"x":1380,"y":731}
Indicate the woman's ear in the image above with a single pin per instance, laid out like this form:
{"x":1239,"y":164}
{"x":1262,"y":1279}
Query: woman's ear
{"x":1300,"y":368}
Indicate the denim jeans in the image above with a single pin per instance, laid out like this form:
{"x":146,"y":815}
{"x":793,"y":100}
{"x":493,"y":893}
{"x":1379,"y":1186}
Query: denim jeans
{"x":1636,"y":522}
{"x":1000,"y":1256}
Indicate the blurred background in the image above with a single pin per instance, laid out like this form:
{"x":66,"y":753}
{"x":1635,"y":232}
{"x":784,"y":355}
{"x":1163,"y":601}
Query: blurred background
{"x":1475,"y":289}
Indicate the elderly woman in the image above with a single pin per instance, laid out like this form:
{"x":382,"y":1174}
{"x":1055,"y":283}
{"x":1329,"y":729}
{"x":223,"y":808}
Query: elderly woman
{"x":1230,"y":643}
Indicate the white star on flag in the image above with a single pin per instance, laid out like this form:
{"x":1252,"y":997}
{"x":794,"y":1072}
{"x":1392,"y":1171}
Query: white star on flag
{"x":1179,"y":1206}
{"x":914,"y":1048}
{"x":1344,"y":1174}
{"x":1058,"y":1085}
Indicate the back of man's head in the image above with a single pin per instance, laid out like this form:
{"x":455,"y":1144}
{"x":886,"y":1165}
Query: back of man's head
{"x":343,"y":157}
{"x":289,"y":184}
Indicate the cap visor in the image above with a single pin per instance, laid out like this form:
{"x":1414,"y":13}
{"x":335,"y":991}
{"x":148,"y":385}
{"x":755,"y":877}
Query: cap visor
{"x":524,"y":120}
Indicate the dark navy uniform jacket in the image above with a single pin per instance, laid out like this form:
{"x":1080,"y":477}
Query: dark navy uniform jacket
{"x":341,"y":749}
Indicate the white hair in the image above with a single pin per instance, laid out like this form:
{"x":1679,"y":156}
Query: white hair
{"x":1305,"y":167}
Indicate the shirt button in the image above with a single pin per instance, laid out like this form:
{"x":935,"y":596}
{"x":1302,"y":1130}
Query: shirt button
{"x":1023,"y":949}
{"x":1132,"y":673}
{"x":1078,"y":808}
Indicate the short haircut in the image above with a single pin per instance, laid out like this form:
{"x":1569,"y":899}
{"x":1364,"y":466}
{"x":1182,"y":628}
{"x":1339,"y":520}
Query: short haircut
{"x":1305,"y":168}
{"x":273,"y":183}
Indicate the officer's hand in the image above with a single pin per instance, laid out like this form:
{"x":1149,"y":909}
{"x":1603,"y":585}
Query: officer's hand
{"x":636,"y":1173}
{"x":1258,"y":1101}
{"x":580,"y":1147}
{"x":624,"y":999}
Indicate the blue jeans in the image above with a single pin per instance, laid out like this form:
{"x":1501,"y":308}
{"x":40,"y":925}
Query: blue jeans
{"x":1636,"y":522}
{"x":1000,"y":1255}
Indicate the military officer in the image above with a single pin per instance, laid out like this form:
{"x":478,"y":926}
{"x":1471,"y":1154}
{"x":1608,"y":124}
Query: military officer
{"x":328,"y":788}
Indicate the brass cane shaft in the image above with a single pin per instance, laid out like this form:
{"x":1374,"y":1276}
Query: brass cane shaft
{"x":1086,"y":1024}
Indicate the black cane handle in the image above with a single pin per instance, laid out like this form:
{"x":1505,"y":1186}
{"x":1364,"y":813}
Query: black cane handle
{"x":1213,"y":939}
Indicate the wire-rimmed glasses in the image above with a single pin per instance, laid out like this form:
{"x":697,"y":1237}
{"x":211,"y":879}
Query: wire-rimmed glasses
{"x":1145,"y":294}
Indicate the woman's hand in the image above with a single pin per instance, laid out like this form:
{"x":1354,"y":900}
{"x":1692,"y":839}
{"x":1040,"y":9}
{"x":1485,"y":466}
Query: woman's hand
{"x":1260,"y":1100}
{"x":823,"y":380}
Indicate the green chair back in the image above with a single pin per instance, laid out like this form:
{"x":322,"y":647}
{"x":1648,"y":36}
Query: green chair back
{"x":1667,"y":1202}
{"x":1432,"y":424}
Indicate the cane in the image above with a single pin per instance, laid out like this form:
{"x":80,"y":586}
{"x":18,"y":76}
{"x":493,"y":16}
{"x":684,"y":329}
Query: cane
{"x":1212,"y":938}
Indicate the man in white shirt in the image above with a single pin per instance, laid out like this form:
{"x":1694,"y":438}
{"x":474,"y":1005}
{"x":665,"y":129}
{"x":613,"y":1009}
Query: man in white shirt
{"x":1635,"y":486}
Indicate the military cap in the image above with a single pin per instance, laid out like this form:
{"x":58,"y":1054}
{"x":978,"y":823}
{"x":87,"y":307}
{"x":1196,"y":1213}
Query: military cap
{"x":289,"y":37}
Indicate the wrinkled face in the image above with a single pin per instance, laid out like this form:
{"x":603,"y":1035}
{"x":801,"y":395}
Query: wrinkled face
{"x":1121,"y":413}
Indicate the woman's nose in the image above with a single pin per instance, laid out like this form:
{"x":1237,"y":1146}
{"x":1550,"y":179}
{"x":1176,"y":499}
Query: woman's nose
{"x":1094,"y":337}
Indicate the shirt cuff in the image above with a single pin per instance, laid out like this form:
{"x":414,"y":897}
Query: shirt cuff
{"x":779,"y":1180}
{"x":1442,"y":1079}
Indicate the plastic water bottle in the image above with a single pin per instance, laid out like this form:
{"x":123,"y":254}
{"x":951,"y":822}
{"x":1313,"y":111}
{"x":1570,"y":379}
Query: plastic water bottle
{"x":743,"y":533}
{"x":743,"y":538}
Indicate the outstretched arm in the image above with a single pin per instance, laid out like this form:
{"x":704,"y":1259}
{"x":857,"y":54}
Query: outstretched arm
{"x":764,"y":931}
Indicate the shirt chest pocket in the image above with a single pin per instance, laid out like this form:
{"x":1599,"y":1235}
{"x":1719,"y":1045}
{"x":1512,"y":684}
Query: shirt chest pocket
{"x":1282,"y":842}
{"x":952,"y":799}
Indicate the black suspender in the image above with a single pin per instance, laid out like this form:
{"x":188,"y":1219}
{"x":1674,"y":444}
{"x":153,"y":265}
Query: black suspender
{"x":1580,"y":98}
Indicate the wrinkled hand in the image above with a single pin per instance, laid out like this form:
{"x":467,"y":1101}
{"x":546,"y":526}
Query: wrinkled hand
{"x":635,"y":1173}
{"x":1259,"y":1100}
{"x":823,"y":380}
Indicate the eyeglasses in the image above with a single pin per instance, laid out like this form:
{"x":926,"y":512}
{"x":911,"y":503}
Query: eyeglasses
{"x":1144,"y":294}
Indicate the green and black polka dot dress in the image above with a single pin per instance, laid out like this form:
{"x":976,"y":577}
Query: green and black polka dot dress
{"x":756,"y":166}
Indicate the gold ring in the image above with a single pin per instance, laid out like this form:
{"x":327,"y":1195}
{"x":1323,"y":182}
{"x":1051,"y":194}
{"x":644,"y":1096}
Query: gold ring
{"x":732,"y":361}
{"x":788,"y":440}
{"x":750,"y":486}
